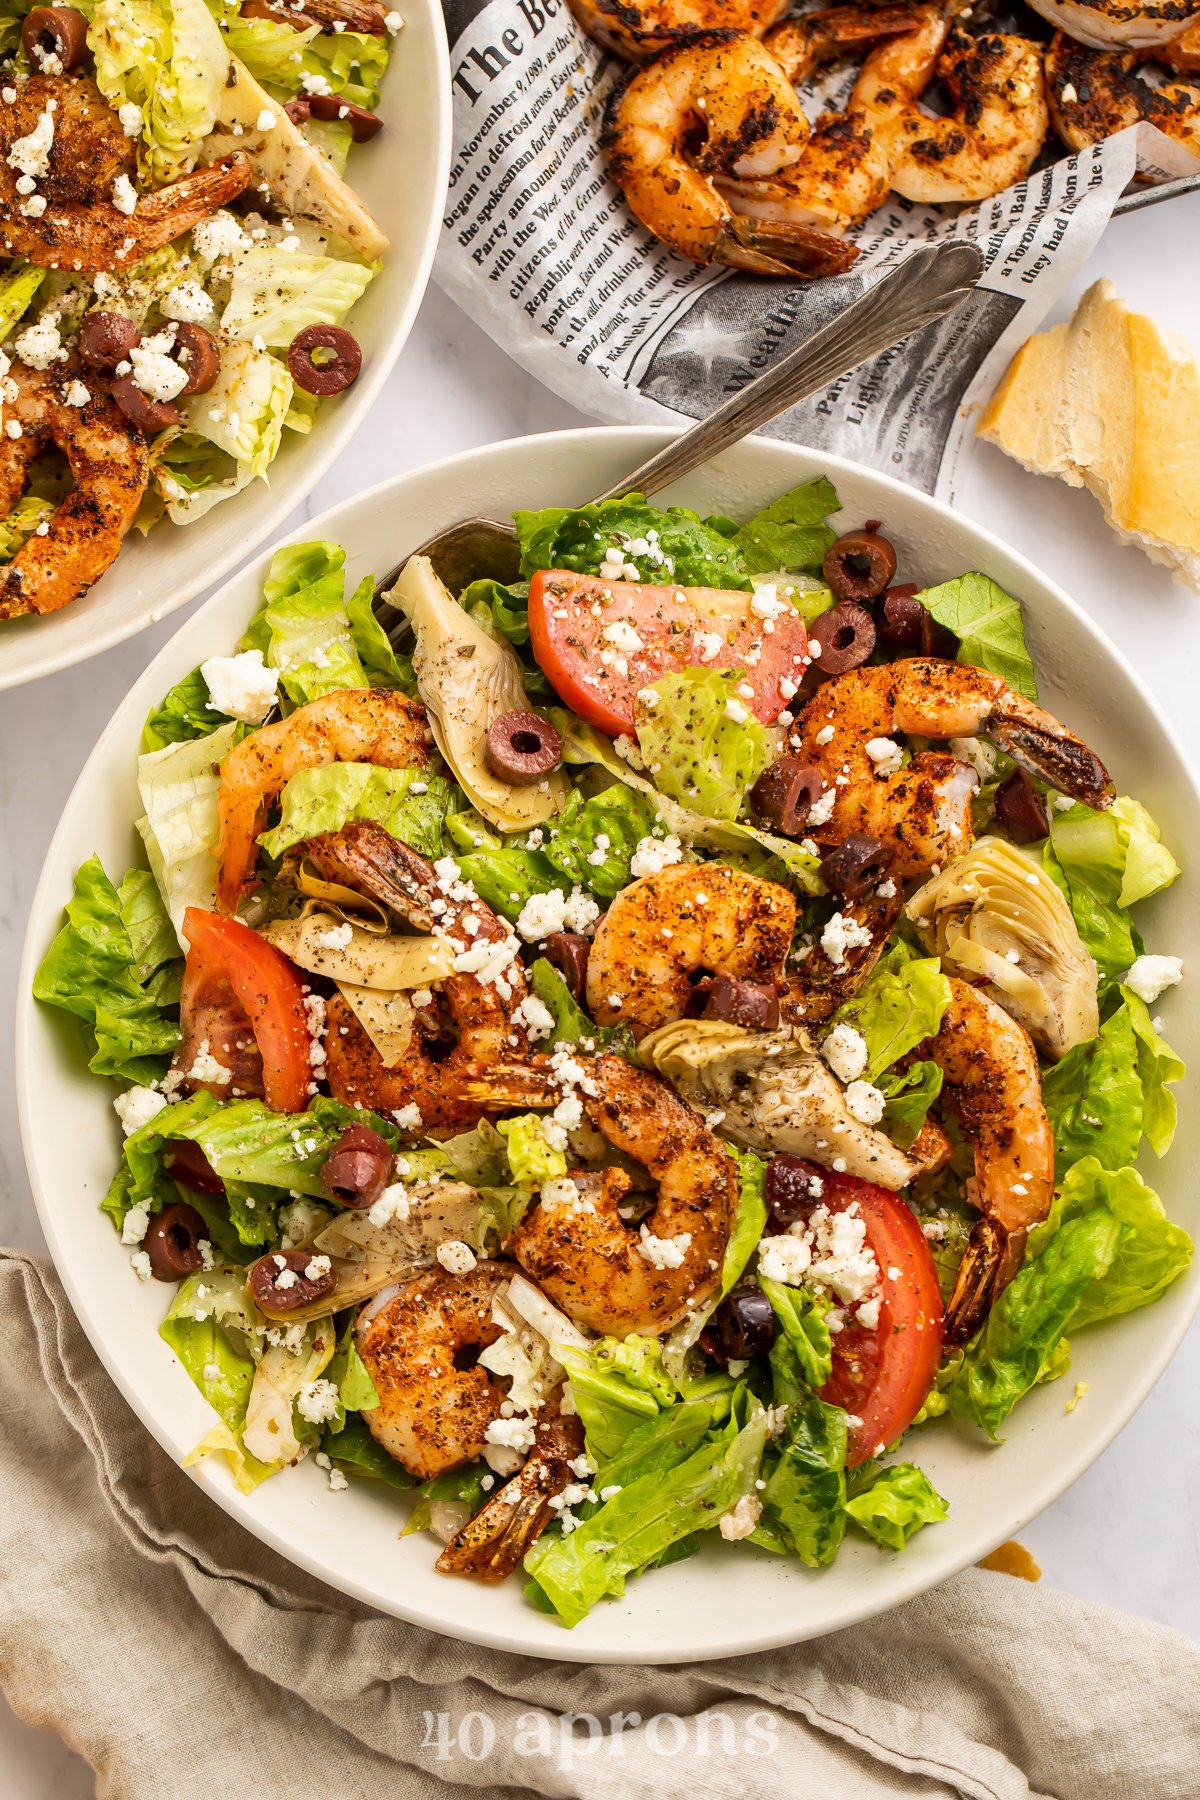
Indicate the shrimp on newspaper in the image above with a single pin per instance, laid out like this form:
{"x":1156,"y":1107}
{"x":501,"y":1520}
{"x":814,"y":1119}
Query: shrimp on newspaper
{"x":714,"y":113}
{"x":921,"y":810}
{"x":1094,"y":93}
{"x":998,"y":122}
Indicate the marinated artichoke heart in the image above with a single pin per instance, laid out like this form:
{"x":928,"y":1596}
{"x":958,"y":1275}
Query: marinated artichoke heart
{"x":991,"y":925}
{"x":773,"y":1092}
{"x":467,"y":680}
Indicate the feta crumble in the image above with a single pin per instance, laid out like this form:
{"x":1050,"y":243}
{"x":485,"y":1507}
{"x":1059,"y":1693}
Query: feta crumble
{"x":841,"y":934}
{"x":865,"y":1103}
{"x":124,"y":194}
{"x":664,"y":1252}
{"x":137,"y":1106}
{"x":317,"y":1401}
{"x":187,"y":301}
{"x":845,"y":1051}
{"x":241,"y":686}
{"x":392,"y":1204}
{"x":653,"y":854}
{"x":456,"y":1257}
{"x":408,"y":1118}
{"x":886,"y":755}
{"x":1151,"y":976}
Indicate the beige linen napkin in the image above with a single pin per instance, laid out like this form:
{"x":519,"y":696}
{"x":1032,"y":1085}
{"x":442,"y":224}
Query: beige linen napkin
{"x":188,"y":1662}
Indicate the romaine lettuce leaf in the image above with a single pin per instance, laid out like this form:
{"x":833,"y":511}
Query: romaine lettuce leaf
{"x":897,"y":1502}
{"x":1151,"y":1250}
{"x":531,"y":1156}
{"x":382,"y":665}
{"x":691,"y":553}
{"x":696,"y":750}
{"x":94,"y":970}
{"x":306,"y":624}
{"x":464,"y":1485}
{"x":507,"y":606}
{"x":504,"y":875}
{"x":356,"y":1452}
{"x":178,"y":787}
{"x":805,"y":1493}
{"x":350,"y":1375}
{"x":192,"y":475}
{"x":206,"y":1327}
{"x":17,"y":289}
{"x":167,"y":57}
{"x":791,"y":533}
{"x":275,"y":293}
{"x":183,"y":713}
{"x":1148,"y":864}
{"x":801,"y":1316}
{"x":909,"y":1094}
{"x":1105,"y":1094}
{"x":617,"y":1384}
{"x":409,"y":803}
{"x":592,"y":841}
{"x":988,"y":623}
{"x":900,"y":1005}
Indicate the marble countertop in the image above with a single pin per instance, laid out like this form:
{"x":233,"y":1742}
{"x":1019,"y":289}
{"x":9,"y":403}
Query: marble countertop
{"x":1125,"y":1534}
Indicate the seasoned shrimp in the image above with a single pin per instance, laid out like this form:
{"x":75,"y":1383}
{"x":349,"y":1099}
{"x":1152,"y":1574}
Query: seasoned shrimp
{"x":994,"y":1085}
{"x":465,"y":1027}
{"x":1182,"y":53}
{"x":717,"y":109}
{"x":1094,"y":93}
{"x":492,"y":1543}
{"x":995,"y":131}
{"x":802,"y":42}
{"x":370,"y":725}
{"x":606,"y":1275}
{"x":923,"y":811}
{"x":435,"y":1400}
{"x":665,"y":932}
{"x":842,"y":175}
{"x":86,"y":152}
{"x":1116,"y":24}
{"x":110,"y":464}
{"x":640,"y":29}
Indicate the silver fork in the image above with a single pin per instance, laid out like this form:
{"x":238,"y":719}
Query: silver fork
{"x":923,"y":288}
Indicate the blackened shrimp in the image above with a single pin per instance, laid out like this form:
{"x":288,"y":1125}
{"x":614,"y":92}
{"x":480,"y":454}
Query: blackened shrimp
{"x":371,"y":725}
{"x":110,"y":464}
{"x":1094,"y":93}
{"x":640,"y":29}
{"x":492,"y":1543}
{"x":921,"y":811}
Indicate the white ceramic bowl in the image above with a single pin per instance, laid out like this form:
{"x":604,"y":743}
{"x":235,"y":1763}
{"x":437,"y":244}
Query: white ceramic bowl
{"x":722,"y":1602}
{"x":402,"y":177}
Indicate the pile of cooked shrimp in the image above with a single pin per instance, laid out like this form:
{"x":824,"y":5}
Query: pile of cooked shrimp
{"x":707,"y":137}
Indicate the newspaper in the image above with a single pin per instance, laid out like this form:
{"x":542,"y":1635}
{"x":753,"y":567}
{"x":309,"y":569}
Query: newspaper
{"x":541,"y":250}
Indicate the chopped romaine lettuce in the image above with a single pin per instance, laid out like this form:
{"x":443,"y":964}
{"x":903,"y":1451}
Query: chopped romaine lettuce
{"x":504,"y":875}
{"x":208,"y":1327}
{"x":900,"y":1005}
{"x":617,"y":1385}
{"x":1151,"y":1250}
{"x":1148,"y":864}
{"x":531,"y":1156}
{"x":167,"y":58}
{"x":409,"y":803}
{"x":988,"y":623}
{"x":178,"y":787}
{"x":909,"y":1094}
{"x":276,"y":293}
{"x":182,"y":714}
{"x":801,"y":1315}
{"x":317,"y":638}
{"x":805,"y":1494}
{"x":94,"y":970}
{"x":674,"y":545}
{"x":1106,"y":1094}
{"x":351,"y":1377}
{"x":192,"y":476}
{"x":382,"y":665}
{"x":17,"y":289}
{"x":748,"y":1223}
{"x":702,"y":744}
{"x":895,"y":1503}
{"x":1105,"y":862}
{"x":791,"y":533}
{"x":592,"y":842}
{"x":356,"y":1452}
{"x":507,"y":606}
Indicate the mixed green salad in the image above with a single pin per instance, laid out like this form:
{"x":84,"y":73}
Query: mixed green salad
{"x":627,"y":855}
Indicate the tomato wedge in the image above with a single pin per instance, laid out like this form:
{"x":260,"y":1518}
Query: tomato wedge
{"x":600,"y":641}
{"x":881,"y":1375}
{"x":230,"y":968}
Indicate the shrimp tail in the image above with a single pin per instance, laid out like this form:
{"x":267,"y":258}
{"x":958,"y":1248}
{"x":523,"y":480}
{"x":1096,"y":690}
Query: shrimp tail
{"x":163,"y":216}
{"x":1041,"y":746}
{"x":990,"y":1260}
{"x":529,"y":1084}
{"x":775,"y":247}
{"x":492,"y":1543}
{"x":367,"y":857}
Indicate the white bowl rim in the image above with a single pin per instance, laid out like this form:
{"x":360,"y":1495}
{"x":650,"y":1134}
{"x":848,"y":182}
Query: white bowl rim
{"x":903,"y":1581}
{"x":336,"y":439}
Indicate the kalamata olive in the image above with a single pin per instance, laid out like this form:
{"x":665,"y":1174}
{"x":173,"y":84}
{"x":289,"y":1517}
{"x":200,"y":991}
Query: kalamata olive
{"x":187,"y":1164}
{"x":172,"y":1241}
{"x":786,"y":793}
{"x":363,"y":124}
{"x":1020,"y":809}
{"x":279,"y":1282}
{"x":298,"y":111}
{"x":521,"y":748}
{"x":844,"y":637}
{"x":106,"y":338}
{"x":568,"y":951}
{"x":901,"y":618}
{"x":791,"y":1190}
{"x":196,"y":351}
{"x":324,"y":359}
{"x":358,"y":1168}
{"x":860,"y":565}
{"x":752,"y":1004}
{"x":55,"y":33}
{"x":745,"y":1323}
{"x":147,"y":414}
{"x":855,"y":865}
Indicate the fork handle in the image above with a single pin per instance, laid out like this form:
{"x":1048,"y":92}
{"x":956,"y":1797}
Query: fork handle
{"x":923,"y":288}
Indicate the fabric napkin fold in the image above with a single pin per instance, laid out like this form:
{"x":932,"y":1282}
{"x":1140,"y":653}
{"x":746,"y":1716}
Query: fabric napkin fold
{"x":185,"y":1660}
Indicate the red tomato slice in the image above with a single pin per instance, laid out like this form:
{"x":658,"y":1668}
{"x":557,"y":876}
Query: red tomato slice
{"x":882,"y":1375}
{"x":678,"y":628}
{"x":224,"y":955}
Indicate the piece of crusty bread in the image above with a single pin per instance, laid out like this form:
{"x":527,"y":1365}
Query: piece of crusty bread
{"x":1111,"y":403}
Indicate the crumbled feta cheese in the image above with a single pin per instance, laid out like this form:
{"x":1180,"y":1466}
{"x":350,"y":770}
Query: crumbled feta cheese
{"x":766,"y":604}
{"x":40,"y":345}
{"x":664,"y":1252}
{"x":1151,"y":976}
{"x":516,"y":1433}
{"x":137,"y":1106}
{"x":456,"y":1257}
{"x":534,"y":1017}
{"x":335,"y":937}
{"x":653,"y":854}
{"x":708,"y":644}
{"x":611,"y":1491}
{"x":155,"y":370}
{"x":187,"y":300}
{"x":337,"y":1481}
{"x":841,"y":934}
{"x":886,"y":889}
{"x":393,"y":1203}
{"x":544,"y":914}
{"x":784,"y":1258}
{"x":742,"y":1518}
{"x":887,"y":756}
{"x":31,"y":155}
{"x":130,"y":115}
{"x":207,"y":1068}
{"x":266,"y":120}
{"x":821,"y":811}
{"x":124,"y":194}
{"x":408,"y":1118}
{"x":219,"y":235}
{"x":139,"y":1262}
{"x":241,"y":686}
{"x":845,"y":1051}
{"x":317,"y":1401}
{"x":623,"y":636}
{"x":76,"y":394}
{"x":133,"y":1228}
{"x":824,"y":736}
{"x":735,"y":711}
{"x":865,"y":1102}
{"x":828,"y":1252}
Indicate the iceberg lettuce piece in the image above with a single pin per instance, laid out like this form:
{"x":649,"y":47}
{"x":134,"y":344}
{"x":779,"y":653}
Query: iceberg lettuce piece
{"x":275,"y":293}
{"x":325,"y":799}
{"x":17,"y":289}
{"x":192,"y":475}
{"x":895,"y":1503}
{"x":209,"y":1327}
{"x":701,"y":743}
{"x":531,"y":1156}
{"x":244,"y":410}
{"x":900,"y":1005}
{"x":178,"y":787}
{"x":166,"y":57}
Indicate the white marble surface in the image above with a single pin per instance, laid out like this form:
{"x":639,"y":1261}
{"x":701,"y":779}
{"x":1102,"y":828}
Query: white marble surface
{"x":1127,"y":1533}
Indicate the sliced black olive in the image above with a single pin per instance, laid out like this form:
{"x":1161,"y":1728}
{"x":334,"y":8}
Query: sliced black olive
{"x":844,"y":637}
{"x":860,"y":565}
